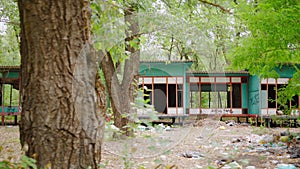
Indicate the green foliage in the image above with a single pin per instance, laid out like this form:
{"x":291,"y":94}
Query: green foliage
{"x":271,"y":39}
{"x":24,"y":163}
{"x":9,"y":34}
{"x":203,"y":33}
{"x":108,"y":26}
{"x":287,"y":93}
{"x":14,"y":101}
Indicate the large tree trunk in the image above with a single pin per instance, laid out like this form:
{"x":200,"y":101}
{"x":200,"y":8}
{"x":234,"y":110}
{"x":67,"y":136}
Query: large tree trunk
{"x":121,"y":94}
{"x":61,"y":122}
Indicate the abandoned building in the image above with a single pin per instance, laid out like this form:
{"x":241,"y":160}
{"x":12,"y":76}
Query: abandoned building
{"x":174,"y":90}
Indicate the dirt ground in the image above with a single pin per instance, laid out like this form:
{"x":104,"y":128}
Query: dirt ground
{"x":209,"y":144}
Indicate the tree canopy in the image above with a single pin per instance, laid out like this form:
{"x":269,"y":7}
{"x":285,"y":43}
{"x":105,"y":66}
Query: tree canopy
{"x":9,"y":33}
{"x":271,"y":39}
{"x":272,"y":36}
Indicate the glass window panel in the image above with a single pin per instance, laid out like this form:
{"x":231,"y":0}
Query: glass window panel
{"x":194,"y":99}
{"x":160,"y":80}
{"x":172,"y":80}
{"x":194,"y":79}
{"x":207,"y":87}
{"x":180,"y":80}
{"x":208,"y":79}
{"x":236,"y":80}
{"x":271,"y":81}
{"x":263,"y":81}
{"x":223,"y":79}
{"x":194,"y":87}
{"x":147,"y":80}
{"x":282,"y":80}
{"x":179,"y":86}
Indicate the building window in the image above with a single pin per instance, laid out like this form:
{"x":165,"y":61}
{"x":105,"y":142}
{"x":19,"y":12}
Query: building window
{"x":216,"y":92}
{"x":163,"y":92}
{"x":269,"y":94}
{"x":194,"y":95}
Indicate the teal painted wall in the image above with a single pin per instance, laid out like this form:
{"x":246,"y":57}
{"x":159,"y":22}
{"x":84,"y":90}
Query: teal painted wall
{"x":286,"y":71}
{"x":254,"y":95}
{"x":244,"y":95}
{"x":163,"y":68}
{"x":11,"y":109}
{"x":9,"y":75}
{"x":254,"y":91}
{"x":251,"y":96}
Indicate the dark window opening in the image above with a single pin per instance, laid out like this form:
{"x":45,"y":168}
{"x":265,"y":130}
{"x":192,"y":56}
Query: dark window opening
{"x":236,"y":96}
{"x":295,"y":102}
{"x":172,"y":95}
{"x":147,"y":92}
{"x":263,"y":87}
{"x":244,"y":80}
{"x":179,"y":95}
{"x":271,"y":96}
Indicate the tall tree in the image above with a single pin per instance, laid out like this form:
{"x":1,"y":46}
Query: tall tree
{"x":272,"y":39}
{"x":123,"y":54}
{"x":61,"y":123}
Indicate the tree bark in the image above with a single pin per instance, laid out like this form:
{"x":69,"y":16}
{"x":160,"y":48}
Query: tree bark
{"x":61,"y":123}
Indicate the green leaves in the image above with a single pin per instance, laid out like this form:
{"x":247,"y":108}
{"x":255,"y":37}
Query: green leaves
{"x":272,"y":36}
{"x":24,"y":163}
{"x":271,"y":39}
{"x":9,"y":35}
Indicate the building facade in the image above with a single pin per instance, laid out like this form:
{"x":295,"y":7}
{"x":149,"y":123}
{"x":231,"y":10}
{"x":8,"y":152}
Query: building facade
{"x":173,"y":90}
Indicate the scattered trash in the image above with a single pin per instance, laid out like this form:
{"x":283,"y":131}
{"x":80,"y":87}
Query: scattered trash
{"x":163,"y":157}
{"x":275,"y":162}
{"x":285,"y":133}
{"x":294,"y":152}
{"x":195,"y":155}
{"x":230,"y":123}
{"x":276,"y":146}
{"x":284,"y":139}
{"x":222,"y":127}
{"x":168,"y":128}
{"x":286,"y":166}
{"x":225,"y":164}
{"x":266,"y":139}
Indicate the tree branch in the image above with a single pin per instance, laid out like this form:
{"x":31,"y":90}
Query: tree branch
{"x":216,"y":5}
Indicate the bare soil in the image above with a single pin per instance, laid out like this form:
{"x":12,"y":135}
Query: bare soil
{"x":189,"y":146}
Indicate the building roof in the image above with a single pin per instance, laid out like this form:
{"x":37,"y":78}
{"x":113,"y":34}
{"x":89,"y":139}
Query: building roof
{"x":9,"y":68}
{"x":217,"y":72}
{"x":166,"y":61}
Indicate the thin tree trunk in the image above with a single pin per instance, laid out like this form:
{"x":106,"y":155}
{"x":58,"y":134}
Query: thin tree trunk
{"x":61,"y":123}
{"x":121,"y":94}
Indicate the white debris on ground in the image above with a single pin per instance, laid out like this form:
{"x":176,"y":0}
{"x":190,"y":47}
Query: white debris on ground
{"x":207,"y":143}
